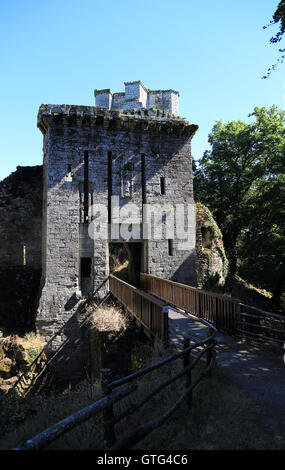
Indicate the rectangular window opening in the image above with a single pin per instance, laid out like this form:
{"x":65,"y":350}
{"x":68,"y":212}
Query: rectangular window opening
{"x":24,"y":255}
{"x":162,"y":186}
{"x":110,"y":184}
{"x":69,"y":174}
{"x":143,"y":179}
{"x":85,"y":267}
{"x":86,"y":190}
{"x":170,"y":247}
{"x":81,"y":204}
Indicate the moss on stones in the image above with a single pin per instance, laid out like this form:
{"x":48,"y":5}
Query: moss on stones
{"x":6,"y":367}
{"x":211,"y":260}
{"x":17,"y":356}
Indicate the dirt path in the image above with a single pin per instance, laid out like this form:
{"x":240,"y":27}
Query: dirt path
{"x":257,"y":370}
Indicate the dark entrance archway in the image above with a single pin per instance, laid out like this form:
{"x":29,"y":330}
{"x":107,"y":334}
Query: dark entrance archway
{"x":126,"y":261}
{"x":135,"y":256}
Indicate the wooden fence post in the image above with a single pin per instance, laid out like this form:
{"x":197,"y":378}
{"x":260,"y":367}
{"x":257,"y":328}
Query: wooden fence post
{"x":188,"y":376}
{"x":164,"y":326}
{"x":108,"y":412}
{"x":209,"y":352}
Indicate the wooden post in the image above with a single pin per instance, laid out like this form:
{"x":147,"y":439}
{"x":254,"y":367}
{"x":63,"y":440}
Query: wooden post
{"x":164,"y":325}
{"x":95,"y":353}
{"x":209,"y":352}
{"x":108,"y":412}
{"x":188,"y":376}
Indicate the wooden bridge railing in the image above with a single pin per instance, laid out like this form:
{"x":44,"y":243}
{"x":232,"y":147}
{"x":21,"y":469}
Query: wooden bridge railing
{"x":226,"y":313}
{"x":151,"y":312}
{"x":216,"y":308}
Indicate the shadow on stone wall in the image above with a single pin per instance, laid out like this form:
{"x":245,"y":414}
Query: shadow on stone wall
{"x":78,"y":350}
{"x":21,"y":217}
{"x":186,"y":273}
{"x":19,"y":293}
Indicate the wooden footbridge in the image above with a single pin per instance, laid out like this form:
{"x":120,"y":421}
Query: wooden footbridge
{"x":161,"y":305}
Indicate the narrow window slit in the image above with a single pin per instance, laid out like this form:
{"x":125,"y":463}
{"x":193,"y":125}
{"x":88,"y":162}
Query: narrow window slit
{"x":85,"y":267}
{"x":170,"y":247}
{"x":24,"y":255}
{"x":143,"y":179}
{"x":162,"y":186}
{"x":86,"y":186}
{"x":69,"y":174}
{"x":110,"y":184}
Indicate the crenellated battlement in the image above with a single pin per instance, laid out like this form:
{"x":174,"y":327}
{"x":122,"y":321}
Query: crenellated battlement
{"x":146,"y":119}
{"x":137,"y":96}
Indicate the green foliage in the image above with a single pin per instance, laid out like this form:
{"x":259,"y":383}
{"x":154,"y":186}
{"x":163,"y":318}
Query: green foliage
{"x":33,"y":353}
{"x":207,"y":276}
{"x":278,"y":18}
{"x":137,"y":362}
{"x":14,"y":409}
{"x":242,"y":181}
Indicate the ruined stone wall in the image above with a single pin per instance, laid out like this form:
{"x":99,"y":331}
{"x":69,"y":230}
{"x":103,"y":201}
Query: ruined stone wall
{"x":211,"y":260}
{"x":20,"y":217}
{"x":20,"y":248}
{"x":19,"y":296}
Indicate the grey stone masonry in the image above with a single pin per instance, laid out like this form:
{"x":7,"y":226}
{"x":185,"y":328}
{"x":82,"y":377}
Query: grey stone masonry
{"x":94,"y":156}
{"x":137,"y":96}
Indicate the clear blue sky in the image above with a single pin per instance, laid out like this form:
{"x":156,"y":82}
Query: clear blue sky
{"x":58,"y":51}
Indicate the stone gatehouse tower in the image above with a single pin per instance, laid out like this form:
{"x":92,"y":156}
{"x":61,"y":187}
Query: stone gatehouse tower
{"x":132,"y":146}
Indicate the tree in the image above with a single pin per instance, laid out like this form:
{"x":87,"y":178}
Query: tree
{"x":242,"y":181}
{"x":278,"y":17}
{"x":262,"y":244}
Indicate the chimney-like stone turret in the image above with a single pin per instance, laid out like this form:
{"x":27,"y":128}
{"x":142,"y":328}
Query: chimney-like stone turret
{"x":137,"y":96}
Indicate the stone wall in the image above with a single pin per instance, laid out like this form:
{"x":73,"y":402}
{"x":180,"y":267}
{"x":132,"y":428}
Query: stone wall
{"x":174,"y":164}
{"x":211,"y":260}
{"x":19,"y":296}
{"x":20,"y":248}
{"x":143,"y":149}
{"x":21,"y":217}
{"x":164,"y":99}
{"x":137,"y":96}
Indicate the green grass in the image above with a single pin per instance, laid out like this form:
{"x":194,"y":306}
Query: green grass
{"x":221,"y":417}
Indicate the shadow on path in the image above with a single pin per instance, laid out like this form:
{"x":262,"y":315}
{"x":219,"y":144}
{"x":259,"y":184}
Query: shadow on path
{"x":258,"y":370}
